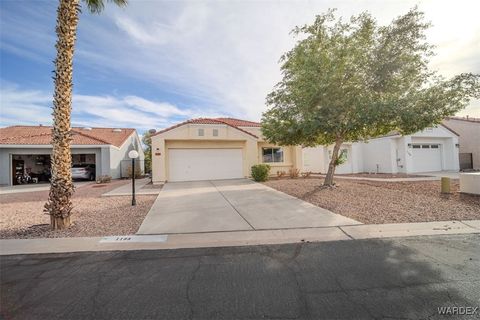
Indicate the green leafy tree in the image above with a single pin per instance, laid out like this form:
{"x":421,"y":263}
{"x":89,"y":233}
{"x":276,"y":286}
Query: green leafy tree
{"x":147,"y":141}
{"x":355,"y":80}
{"x":59,"y":205}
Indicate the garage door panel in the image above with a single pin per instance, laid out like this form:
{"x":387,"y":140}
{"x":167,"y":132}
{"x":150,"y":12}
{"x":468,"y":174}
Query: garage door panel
{"x":426,"y":158}
{"x":205,"y":164}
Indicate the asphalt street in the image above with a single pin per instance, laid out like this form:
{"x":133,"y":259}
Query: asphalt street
{"x":402,"y":278}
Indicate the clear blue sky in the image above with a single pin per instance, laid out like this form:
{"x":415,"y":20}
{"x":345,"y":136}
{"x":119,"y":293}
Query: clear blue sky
{"x":155,"y":63}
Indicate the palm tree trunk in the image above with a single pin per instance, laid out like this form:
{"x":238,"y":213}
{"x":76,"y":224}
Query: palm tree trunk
{"x":331,"y":166}
{"x":59,"y":205}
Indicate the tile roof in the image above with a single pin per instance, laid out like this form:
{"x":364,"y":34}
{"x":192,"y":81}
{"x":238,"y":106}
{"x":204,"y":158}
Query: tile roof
{"x":469,"y":119}
{"x":42,"y":135}
{"x":239,"y":123}
{"x":234,"y":123}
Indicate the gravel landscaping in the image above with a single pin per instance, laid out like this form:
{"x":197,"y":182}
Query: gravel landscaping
{"x":93,"y":215}
{"x":376,"y":202}
{"x":381,"y":175}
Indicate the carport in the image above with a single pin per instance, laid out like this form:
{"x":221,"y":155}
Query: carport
{"x":35,"y":162}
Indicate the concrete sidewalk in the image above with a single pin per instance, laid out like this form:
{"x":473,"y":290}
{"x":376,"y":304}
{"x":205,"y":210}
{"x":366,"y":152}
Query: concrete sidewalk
{"x":126,"y":190}
{"x":235,"y":238}
{"x":34,"y":187}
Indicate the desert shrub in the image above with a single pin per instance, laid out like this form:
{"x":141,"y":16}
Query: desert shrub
{"x":293,"y":173}
{"x":306,"y":174}
{"x":138,"y":171}
{"x":281,"y":174}
{"x":342,"y":158}
{"x":260,"y":172}
{"x":104,"y":179}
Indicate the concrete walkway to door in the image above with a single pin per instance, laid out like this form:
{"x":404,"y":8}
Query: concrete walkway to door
{"x":232,"y":205}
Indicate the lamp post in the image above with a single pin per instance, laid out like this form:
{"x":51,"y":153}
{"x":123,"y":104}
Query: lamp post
{"x":133,"y":154}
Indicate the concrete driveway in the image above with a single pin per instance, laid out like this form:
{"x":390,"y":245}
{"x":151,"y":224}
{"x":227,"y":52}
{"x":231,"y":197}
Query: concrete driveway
{"x":232,"y":205}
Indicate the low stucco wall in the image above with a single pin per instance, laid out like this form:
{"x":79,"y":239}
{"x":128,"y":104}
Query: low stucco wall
{"x":470,"y":182}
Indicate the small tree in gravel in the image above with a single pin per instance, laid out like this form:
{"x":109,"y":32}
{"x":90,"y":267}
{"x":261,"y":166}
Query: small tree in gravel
{"x":355,"y":80}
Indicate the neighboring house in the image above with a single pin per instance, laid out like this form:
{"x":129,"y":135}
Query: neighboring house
{"x":219,"y":148}
{"x":433,"y":149}
{"x":469,"y":131}
{"x":28,"y":149}
{"x":226,"y":148}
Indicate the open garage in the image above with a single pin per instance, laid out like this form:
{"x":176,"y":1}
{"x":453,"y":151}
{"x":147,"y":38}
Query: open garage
{"x":25,"y":153}
{"x":35,"y":168}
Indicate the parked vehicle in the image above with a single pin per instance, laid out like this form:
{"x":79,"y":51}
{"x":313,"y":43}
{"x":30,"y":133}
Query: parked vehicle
{"x":83,"y":171}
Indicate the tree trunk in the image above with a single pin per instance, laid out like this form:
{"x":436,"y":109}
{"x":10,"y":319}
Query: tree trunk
{"x":331,"y":166}
{"x":59,"y":205}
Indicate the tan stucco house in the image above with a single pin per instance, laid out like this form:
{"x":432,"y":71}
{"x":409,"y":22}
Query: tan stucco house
{"x":216,"y":148}
{"x":469,"y":130}
{"x":226,"y":148}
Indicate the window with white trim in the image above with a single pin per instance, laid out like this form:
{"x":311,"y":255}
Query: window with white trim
{"x":201,"y":132}
{"x":271,"y":155}
{"x":215,"y":132}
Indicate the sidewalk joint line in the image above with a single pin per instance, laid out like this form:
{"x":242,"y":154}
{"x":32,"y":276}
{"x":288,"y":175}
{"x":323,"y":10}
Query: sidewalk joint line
{"x":339,"y":227}
{"x":467,"y":224}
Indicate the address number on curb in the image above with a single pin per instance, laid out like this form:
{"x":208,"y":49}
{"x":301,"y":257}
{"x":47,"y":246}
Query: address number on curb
{"x":134,"y":238}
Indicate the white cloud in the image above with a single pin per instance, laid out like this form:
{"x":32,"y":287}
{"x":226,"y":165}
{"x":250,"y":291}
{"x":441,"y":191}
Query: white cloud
{"x":224,"y":54}
{"x":19,"y":106}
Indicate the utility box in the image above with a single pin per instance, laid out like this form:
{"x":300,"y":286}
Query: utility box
{"x":445,"y":185}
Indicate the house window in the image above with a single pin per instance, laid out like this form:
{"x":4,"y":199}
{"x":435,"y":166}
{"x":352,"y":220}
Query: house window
{"x":434,"y":146}
{"x":416,"y":146}
{"x":272,"y":155}
{"x":201,"y":132}
{"x":425,"y":146}
{"x":215,"y":132}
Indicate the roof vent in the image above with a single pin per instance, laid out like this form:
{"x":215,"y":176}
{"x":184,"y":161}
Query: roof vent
{"x":87,"y":129}
{"x":117,"y":130}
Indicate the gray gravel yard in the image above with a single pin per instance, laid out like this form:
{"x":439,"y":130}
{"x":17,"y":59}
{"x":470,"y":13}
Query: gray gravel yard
{"x":381,"y":175}
{"x":384,"y":202}
{"x":22,"y":213}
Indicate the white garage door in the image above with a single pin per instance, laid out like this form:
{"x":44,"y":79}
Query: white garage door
{"x":426,"y":157}
{"x":205,"y":164}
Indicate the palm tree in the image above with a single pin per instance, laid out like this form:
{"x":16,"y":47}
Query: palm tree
{"x":59,"y":205}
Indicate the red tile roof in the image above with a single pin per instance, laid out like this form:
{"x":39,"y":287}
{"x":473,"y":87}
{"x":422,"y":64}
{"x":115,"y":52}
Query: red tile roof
{"x":234,"y":123}
{"x":239,"y":123}
{"x":42,"y":135}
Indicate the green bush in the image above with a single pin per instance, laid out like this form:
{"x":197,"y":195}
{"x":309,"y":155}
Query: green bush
{"x":260,"y":172}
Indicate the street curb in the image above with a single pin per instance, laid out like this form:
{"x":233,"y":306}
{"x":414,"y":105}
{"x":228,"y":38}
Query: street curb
{"x":238,"y":238}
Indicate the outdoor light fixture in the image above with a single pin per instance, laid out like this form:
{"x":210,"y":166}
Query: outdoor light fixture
{"x":457,"y":145}
{"x":409,"y":145}
{"x":133,"y":154}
